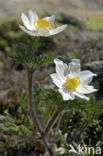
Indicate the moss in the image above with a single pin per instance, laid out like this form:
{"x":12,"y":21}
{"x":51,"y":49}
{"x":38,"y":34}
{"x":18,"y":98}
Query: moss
{"x":75,"y":54}
{"x":95,"y":23}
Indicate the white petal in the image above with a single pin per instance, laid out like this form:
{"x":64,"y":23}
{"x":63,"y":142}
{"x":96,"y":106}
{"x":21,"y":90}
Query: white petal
{"x":86,"y":89}
{"x":26,"y":22}
{"x":58,"y":30}
{"x":66,"y":95}
{"x":31,"y":33}
{"x":50,"y":20}
{"x":56,"y":80}
{"x":80,"y":95}
{"x":74,"y":67}
{"x":61,"y":69}
{"x":43,"y":32}
{"x":86,"y":76}
{"x":72,"y":95}
{"x":32,"y":16}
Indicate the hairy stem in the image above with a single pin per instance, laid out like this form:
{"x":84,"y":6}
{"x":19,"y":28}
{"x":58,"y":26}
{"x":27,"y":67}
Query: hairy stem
{"x":35,"y":45}
{"x":53,"y":119}
{"x":30,"y":99}
{"x":35,"y":119}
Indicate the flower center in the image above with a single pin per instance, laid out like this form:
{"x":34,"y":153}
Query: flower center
{"x":43,"y":24}
{"x":72,"y":83}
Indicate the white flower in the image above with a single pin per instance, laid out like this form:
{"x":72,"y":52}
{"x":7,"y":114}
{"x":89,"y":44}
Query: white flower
{"x":39,"y":27}
{"x":71,"y":81}
{"x":60,"y":151}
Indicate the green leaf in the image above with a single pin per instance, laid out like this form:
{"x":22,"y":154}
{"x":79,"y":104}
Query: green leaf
{"x":40,"y":60}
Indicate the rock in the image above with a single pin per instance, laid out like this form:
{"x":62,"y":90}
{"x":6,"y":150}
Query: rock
{"x":71,"y":21}
{"x":97,"y":67}
{"x":83,"y":35}
{"x":10,"y":78}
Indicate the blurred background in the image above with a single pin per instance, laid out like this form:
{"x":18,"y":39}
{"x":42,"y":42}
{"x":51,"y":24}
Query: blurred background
{"x":83,"y":39}
{"x":78,"y":7}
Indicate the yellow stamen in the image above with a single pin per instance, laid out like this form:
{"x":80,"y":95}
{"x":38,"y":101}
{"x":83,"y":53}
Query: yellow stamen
{"x":43,"y":24}
{"x":72,"y":83}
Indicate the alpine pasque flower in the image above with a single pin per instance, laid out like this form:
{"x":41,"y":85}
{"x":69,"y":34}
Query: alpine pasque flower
{"x":71,"y":81}
{"x":39,"y":27}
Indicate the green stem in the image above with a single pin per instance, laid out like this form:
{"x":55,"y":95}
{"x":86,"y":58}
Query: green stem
{"x":53,"y":120}
{"x":35,"y":45}
{"x":34,"y":115}
{"x":58,"y":124}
